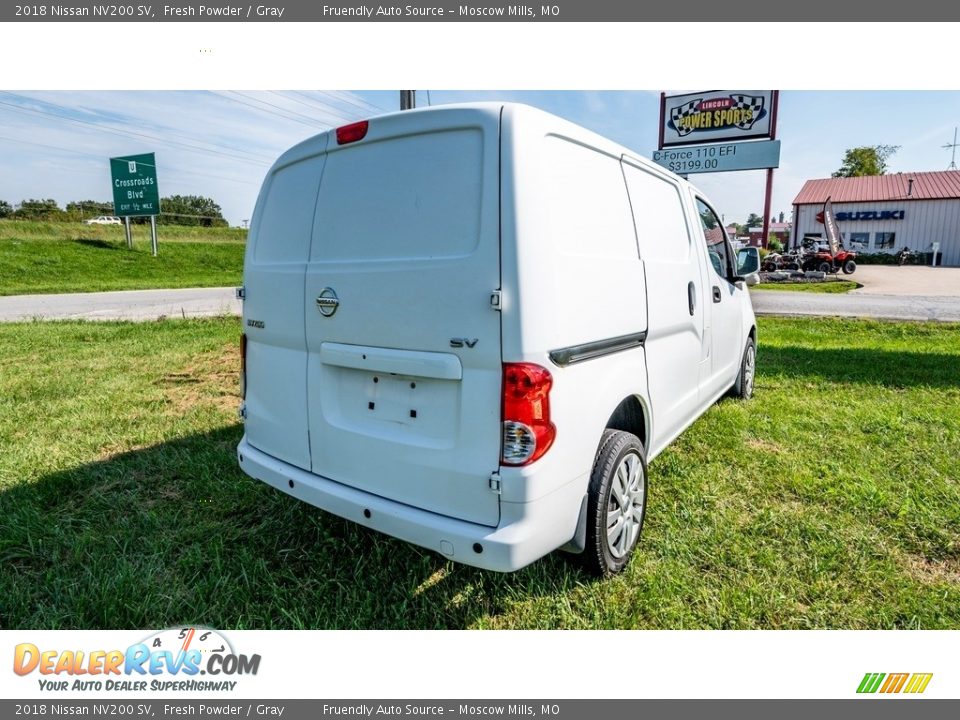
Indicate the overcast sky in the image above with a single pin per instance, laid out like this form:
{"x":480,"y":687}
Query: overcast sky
{"x":220,"y":144}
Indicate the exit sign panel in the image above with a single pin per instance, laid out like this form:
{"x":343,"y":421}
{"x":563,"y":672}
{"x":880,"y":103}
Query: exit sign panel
{"x":134,"y":181}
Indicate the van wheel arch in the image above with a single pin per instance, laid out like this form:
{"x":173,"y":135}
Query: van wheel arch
{"x":630,"y":416}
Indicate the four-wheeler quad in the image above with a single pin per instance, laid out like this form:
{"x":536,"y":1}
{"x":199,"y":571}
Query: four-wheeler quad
{"x":817,"y":256}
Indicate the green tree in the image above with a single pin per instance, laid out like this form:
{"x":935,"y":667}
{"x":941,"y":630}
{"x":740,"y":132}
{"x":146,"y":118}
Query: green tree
{"x":83,"y":209}
{"x":866,"y":160}
{"x":39,"y":210}
{"x":6,"y":209}
{"x":774,"y":244}
{"x":190,"y":210}
{"x":754,"y":221}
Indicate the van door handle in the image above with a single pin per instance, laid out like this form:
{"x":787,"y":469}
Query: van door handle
{"x":716,"y":294}
{"x":691,"y":297}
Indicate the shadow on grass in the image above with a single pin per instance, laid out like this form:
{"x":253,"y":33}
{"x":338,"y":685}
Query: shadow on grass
{"x":98,"y":243}
{"x":175,"y":533}
{"x":895,"y":369}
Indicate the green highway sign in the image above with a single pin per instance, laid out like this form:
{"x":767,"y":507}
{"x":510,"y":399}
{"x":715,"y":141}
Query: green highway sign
{"x":134,"y":181}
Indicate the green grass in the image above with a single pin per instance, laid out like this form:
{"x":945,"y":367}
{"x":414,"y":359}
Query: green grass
{"x":40,"y":257}
{"x":835,"y":286}
{"x":829,"y":501}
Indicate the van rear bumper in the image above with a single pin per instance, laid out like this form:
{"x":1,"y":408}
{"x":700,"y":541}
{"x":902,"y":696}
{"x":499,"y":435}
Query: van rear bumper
{"x":527,"y":531}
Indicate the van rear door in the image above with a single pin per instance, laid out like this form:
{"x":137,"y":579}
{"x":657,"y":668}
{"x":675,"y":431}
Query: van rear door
{"x":404,"y":365}
{"x":275,"y":262}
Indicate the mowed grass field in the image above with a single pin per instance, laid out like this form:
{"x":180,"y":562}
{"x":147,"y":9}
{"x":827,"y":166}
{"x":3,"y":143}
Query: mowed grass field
{"x":828,"y":286}
{"x":48,"y":257}
{"x":831,"y":500}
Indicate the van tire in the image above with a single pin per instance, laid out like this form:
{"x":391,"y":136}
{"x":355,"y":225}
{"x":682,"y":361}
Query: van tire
{"x":618,"y":451}
{"x":743,"y":386}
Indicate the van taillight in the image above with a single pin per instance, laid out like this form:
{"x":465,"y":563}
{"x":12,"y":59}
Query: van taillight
{"x":243,"y":366}
{"x":352,"y":132}
{"x":527,"y":430}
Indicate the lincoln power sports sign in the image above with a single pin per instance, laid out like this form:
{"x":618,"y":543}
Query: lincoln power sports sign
{"x":715,"y":115}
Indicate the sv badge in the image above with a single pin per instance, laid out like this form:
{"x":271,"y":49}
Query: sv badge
{"x":463,"y":342}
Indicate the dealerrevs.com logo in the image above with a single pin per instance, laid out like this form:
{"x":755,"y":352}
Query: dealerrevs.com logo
{"x":891,"y":683}
{"x":177,"y":659}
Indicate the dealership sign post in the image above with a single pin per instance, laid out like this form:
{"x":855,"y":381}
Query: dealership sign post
{"x":135,"y":192}
{"x":720,"y":131}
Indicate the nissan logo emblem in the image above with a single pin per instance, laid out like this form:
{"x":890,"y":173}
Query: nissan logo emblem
{"x":327,"y":302}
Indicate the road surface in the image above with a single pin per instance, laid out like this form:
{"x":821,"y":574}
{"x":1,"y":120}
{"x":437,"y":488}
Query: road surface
{"x":199,"y":302}
{"x":909,"y":280}
{"x":887,"y":307}
{"x":123,"y":305}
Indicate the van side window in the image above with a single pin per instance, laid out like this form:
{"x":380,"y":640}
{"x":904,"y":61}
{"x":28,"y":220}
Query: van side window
{"x":658,"y":215}
{"x":718,"y":250}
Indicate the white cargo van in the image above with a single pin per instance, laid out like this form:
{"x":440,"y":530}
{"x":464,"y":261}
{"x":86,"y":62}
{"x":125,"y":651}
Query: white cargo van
{"x":471,"y":327}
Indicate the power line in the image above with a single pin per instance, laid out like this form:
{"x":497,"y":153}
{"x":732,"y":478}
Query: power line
{"x":310,"y":122}
{"x":351,"y":99}
{"x":101,"y":157}
{"x":206,"y":146}
{"x":129,"y":133}
{"x":330,"y":111}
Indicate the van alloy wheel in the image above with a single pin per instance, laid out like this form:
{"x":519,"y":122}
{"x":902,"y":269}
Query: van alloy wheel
{"x":616,"y":503}
{"x":749,"y":369}
{"x":742,"y":387}
{"x":625,"y":509}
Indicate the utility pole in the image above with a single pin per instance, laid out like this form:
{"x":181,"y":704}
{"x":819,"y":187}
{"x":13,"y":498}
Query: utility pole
{"x":774,"y":102}
{"x":953,"y":151}
{"x":408,"y":99}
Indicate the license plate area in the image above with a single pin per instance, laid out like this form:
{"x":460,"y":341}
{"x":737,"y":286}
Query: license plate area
{"x":394,"y":398}
{"x":397,"y":407}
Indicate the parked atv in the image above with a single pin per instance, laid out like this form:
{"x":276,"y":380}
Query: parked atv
{"x":817,"y":256}
{"x":777,"y":261}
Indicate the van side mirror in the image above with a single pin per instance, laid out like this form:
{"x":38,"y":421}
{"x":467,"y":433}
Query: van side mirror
{"x":748,"y":261}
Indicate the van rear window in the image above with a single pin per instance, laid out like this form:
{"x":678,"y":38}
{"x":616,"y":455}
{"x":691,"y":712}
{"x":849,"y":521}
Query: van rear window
{"x":417,"y":196}
{"x":283,"y":228}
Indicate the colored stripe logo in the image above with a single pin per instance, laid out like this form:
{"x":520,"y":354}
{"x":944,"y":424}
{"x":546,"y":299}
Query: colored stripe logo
{"x":894,"y":683}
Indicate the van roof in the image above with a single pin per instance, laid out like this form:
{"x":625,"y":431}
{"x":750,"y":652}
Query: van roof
{"x":319,"y":143}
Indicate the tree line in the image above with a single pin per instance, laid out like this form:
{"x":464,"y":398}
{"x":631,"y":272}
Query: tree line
{"x":175,"y":210}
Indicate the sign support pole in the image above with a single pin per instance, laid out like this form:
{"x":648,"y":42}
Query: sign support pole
{"x":775,"y":101}
{"x":126,"y":225}
{"x":153,"y":234}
